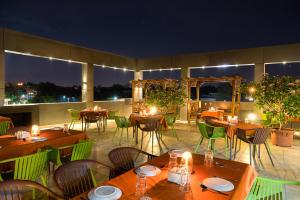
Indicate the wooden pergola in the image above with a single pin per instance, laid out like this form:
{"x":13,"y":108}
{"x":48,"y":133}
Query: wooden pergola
{"x":194,"y":106}
{"x":141,"y":87}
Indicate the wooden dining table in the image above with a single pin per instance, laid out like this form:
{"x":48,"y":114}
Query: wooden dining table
{"x":12,"y":148}
{"x":100,"y":112}
{"x":211,"y":113}
{"x":136,"y":118}
{"x":232,"y":128}
{"x":240,"y":174}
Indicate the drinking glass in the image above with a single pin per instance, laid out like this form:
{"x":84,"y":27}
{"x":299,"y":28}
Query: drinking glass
{"x":185,"y":180}
{"x":209,"y":158}
{"x":141,"y":187}
{"x":66,"y":128}
{"x":173,"y":161}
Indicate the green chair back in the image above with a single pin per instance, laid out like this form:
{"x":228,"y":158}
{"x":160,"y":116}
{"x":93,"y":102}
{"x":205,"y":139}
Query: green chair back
{"x":111,"y":114}
{"x":122,"y":122}
{"x":170,"y":119}
{"x":4,"y":126}
{"x":265,"y":188}
{"x":75,"y":114}
{"x":205,"y":130}
{"x":30,"y":167}
{"x":81,"y":150}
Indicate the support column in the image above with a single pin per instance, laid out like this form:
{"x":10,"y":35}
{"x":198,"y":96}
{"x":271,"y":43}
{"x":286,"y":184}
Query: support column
{"x":138,"y":91}
{"x":2,"y":77}
{"x":185,"y":73}
{"x":88,"y":84}
{"x":259,"y":71}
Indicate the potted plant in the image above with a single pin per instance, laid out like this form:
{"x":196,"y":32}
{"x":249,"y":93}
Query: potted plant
{"x":279,"y":97}
{"x":166,"y":99}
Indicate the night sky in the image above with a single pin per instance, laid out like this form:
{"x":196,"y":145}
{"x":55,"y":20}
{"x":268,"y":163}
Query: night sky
{"x":145,"y":29}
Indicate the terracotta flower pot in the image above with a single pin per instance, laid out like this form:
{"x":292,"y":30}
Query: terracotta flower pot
{"x":283,"y":137}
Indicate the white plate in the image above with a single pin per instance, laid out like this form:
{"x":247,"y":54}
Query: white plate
{"x":148,"y":170}
{"x":38,"y":139}
{"x":105,"y":193}
{"x":218,"y":184}
{"x":178,"y":152}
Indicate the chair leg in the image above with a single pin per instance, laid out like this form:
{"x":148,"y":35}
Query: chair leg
{"x":199,"y":143}
{"x":226,"y":147}
{"x":236,"y":140}
{"x":259,"y":151}
{"x":98,"y":127}
{"x":269,"y":153}
{"x":121,"y":136}
{"x":250,"y":153}
{"x":151,"y":135}
{"x":142,"y":140}
{"x":209,"y":145}
{"x":127,"y":135}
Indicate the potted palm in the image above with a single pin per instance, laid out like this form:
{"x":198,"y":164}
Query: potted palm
{"x":166,"y":99}
{"x":279,"y":97}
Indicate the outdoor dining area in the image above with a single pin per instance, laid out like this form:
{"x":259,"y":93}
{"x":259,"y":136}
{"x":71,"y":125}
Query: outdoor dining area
{"x":215,"y":155}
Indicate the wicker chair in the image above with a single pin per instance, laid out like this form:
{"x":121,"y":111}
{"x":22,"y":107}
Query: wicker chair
{"x":151,"y":126}
{"x":123,"y":158}
{"x":92,"y":117}
{"x":79,"y":176}
{"x":21,"y":189}
{"x":259,"y":138}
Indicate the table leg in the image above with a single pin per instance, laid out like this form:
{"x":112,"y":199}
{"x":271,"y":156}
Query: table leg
{"x":230,"y":148}
{"x":135,"y":128}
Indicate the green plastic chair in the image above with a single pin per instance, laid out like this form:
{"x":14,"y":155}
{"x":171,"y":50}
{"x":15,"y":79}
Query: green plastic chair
{"x":211,"y":133}
{"x":75,"y":116}
{"x":171,"y":119}
{"x":30,"y":167}
{"x":4,"y":126}
{"x":111,"y":114}
{"x":265,"y":188}
{"x":122,"y":122}
{"x":80,"y":151}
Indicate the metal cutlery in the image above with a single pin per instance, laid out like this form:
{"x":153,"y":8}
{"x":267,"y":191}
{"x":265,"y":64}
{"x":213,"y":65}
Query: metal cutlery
{"x":205,"y":188}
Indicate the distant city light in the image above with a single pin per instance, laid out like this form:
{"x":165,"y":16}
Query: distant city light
{"x":20,"y":84}
{"x":284,"y":62}
{"x":50,"y":58}
{"x":69,"y":61}
{"x":115,"y":98}
{"x":124,"y":69}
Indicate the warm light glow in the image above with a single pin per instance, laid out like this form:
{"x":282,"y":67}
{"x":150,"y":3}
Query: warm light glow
{"x":284,"y":62}
{"x":69,"y":61}
{"x":203,"y":67}
{"x":251,"y":116}
{"x":251,"y":89}
{"x":95,"y":108}
{"x":212,"y":108}
{"x":187,"y":161}
{"x":35,"y":131}
{"x":50,"y":58}
{"x":251,"y":99}
{"x":153,"y":110}
{"x":20,"y":84}
{"x":124,"y":69}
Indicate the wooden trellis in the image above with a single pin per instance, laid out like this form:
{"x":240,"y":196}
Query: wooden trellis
{"x":194,"y":107}
{"x":141,"y":87}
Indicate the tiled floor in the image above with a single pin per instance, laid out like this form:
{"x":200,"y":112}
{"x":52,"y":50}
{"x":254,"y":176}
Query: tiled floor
{"x":286,"y":160}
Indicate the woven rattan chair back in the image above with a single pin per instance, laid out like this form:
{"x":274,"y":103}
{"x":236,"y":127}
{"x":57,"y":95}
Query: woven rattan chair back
{"x":79,"y":176}
{"x":20,"y":189}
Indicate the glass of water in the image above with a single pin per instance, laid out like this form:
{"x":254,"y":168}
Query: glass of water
{"x":209,"y":158}
{"x":141,"y":187}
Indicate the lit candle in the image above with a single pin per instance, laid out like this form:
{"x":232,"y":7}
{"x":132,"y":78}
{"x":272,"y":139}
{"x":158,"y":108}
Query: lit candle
{"x":153,"y":110}
{"x":95,"y":108}
{"x":187,"y":161}
{"x":35,"y":131}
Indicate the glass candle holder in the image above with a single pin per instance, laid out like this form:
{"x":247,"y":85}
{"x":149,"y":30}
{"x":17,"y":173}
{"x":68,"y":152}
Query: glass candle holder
{"x":187,"y":161}
{"x":35,"y":130}
{"x":141,"y":187}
